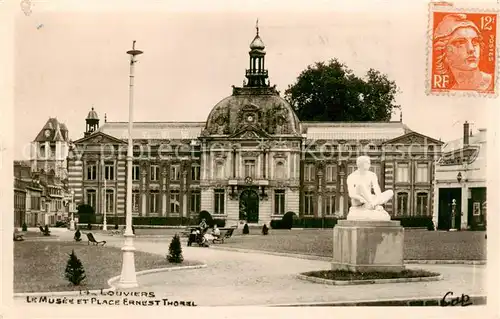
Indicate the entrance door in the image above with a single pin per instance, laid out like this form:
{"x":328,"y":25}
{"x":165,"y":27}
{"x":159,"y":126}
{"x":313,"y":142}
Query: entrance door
{"x":446,"y":197}
{"x":249,"y":206}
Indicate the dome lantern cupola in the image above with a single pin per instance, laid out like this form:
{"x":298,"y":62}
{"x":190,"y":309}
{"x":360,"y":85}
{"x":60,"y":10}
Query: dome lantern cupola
{"x":92,"y":122}
{"x":257,"y":75}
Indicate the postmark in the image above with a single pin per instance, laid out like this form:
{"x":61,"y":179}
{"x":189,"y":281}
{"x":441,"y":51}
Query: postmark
{"x":462,"y":51}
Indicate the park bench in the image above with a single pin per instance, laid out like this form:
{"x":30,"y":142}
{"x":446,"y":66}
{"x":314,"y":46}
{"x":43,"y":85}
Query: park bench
{"x":42,"y":230}
{"x":92,"y":240}
{"x":224,"y":234}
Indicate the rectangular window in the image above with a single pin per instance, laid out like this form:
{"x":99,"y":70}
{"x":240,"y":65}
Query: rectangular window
{"x":154,"y":172}
{"x":422,"y":173}
{"x":91,"y":171}
{"x":154,"y":201}
{"x":329,"y":206}
{"x":250,"y":168}
{"x":402,"y":201}
{"x":175,"y":172}
{"x":91,"y":198}
{"x":195,"y":172}
{"x":422,"y":209}
{"x":376,"y":169}
{"x":135,"y":201}
{"x":331,"y":173}
{"x":175,"y":201}
{"x":109,"y":171}
{"x":402,"y":173}
{"x":308,"y":203}
{"x":279,"y":202}
{"x":35,"y":202}
{"x":42,"y":151}
{"x":110,"y":201}
{"x":350,"y":169}
{"x":219,"y":202}
{"x":308,"y":172}
{"x":136,"y":170}
{"x":195,"y":204}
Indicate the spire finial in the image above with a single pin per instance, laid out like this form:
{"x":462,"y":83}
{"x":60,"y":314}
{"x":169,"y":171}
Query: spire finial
{"x":257,"y":26}
{"x":401,"y":116}
{"x":105,"y":118}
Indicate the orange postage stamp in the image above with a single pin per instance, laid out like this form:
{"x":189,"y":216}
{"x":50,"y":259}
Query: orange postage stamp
{"x":462,"y":51}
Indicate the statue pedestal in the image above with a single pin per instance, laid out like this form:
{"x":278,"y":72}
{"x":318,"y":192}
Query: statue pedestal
{"x":368,"y":246}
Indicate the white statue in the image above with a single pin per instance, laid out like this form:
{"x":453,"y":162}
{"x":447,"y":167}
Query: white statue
{"x":365,"y":204}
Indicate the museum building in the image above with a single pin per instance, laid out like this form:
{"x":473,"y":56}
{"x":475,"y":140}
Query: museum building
{"x":252,"y":161}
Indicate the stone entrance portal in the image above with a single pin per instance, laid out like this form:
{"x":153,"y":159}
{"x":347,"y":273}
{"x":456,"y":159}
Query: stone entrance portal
{"x":249,"y":206}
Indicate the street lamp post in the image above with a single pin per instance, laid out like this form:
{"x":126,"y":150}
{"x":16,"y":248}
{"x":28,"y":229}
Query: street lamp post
{"x":72,"y":221}
{"x":128,"y":278}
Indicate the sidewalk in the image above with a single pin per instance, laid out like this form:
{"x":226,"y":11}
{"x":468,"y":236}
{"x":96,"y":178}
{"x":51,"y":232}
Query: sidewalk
{"x":238,"y":278}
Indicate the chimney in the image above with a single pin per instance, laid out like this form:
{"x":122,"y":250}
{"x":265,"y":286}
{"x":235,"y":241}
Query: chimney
{"x":466,"y":133}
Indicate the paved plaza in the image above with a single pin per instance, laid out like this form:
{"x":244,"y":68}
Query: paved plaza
{"x":237,"y":278}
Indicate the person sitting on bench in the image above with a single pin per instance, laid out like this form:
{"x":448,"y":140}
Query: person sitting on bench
{"x":216,"y":231}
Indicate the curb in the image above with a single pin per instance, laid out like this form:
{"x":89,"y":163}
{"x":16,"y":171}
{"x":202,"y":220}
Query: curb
{"x":367,"y":281}
{"x":398,"y":302}
{"x":112,"y":280}
{"x":446,"y":262}
{"x":110,"y":283}
{"x":322,"y":258}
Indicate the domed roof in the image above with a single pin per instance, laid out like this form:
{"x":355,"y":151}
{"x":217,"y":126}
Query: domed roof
{"x":257,"y":43}
{"x":92,"y":115}
{"x":259,"y":108}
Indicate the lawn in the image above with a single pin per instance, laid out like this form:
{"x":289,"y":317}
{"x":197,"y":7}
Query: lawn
{"x":39,"y":266}
{"x":418,"y":244}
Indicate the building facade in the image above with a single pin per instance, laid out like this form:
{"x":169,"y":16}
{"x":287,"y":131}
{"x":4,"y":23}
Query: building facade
{"x":460,"y":183}
{"x":44,"y":197}
{"x":251,"y":161}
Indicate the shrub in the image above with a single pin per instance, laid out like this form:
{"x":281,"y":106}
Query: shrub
{"x":24,"y":227}
{"x":175,"y":250}
{"x":208,"y":218}
{"x":61,"y":223}
{"x":265,"y":230}
{"x":74,"y":272}
{"x":275,"y":224}
{"x":246,"y":230}
{"x":86,"y":213}
{"x":287,"y":220}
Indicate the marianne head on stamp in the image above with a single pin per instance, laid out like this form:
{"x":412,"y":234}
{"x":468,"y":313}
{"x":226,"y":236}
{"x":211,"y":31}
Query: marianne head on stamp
{"x":457,"y":47}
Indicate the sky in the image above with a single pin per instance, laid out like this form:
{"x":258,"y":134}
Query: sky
{"x":66,"y":62}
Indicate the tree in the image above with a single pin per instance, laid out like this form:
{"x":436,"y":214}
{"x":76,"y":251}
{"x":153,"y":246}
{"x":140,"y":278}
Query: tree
{"x":331,"y":92}
{"x":74,"y":270}
{"x":175,"y":250}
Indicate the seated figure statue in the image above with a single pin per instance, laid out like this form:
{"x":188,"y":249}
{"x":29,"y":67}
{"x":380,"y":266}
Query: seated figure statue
{"x":365,"y":204}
